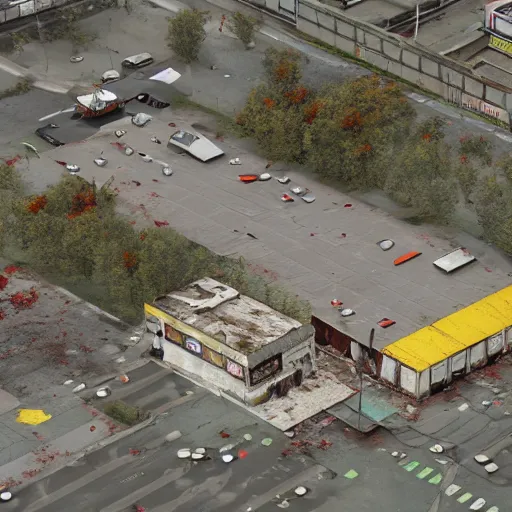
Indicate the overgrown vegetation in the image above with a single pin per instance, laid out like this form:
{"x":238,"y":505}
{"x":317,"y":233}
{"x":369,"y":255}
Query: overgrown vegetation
{"x":22,"y":87}
{"x":69,"y":29}
{"x":73,"y":232}
{"x":186,"y":33}
{"x":363,"y":134}
{"x":243,"y":26}
{"x":123,"y":412}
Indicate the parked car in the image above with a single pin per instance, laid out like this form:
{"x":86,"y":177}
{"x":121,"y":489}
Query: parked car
{"x":137,"y":61}
{"x":43,"y":132}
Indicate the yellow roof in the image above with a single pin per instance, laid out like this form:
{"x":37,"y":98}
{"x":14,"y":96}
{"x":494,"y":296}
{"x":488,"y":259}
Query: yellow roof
{"x":455,"y":332}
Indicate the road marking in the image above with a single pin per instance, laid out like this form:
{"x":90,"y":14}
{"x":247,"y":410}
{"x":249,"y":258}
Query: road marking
{"x":436,"y":480}
{"x":411,"y":466}
{"x":452,"y":489}
{"x":79,"y":483}
{"x":424,"y":473}
{"x":465,"y":497}
{"x":351,"y":474}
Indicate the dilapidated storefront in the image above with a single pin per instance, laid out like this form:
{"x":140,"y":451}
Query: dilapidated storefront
{"x":211,"y":333}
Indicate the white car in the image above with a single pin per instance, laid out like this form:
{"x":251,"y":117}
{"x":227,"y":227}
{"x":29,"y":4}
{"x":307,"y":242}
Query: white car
{"x":137,"y":61}
{"x":110,"y":76}
{"x":195,"y":144}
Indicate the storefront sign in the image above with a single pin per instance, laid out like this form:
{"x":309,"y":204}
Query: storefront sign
{"x":235,"y":369}
{"x":193,"y":345}
{"x":471,"y":103}
{"x":500,"y":44}
{"x":171,"y":334}
{"x":214,"y":358}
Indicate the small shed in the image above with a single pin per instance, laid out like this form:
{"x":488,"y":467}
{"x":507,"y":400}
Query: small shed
{"x":241,"y":346}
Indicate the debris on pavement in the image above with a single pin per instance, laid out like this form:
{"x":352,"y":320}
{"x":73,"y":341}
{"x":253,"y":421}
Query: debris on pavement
{"x":267,"y":441}
{"x":155,"y":140}
{"x":141,"y":119}
{"x":265,"y":177}
{"x":326,"y":421}
{"x":308,"y":197}
{"x":68,"y":382}
{"x":287,"y":199}
{"x":160,"y":223}
{"x":167,"y":171}
{"x":301,"y":490}
{"x":284,"y":180}
{"x":386,"y":322}
{"x":385,"y":245}
{"x":463,"y":407}
{"x":478,"y":504}
{"x":491,"y":468}
{"x":172,"y":436}
{"x":290,"y":433}
{"x":79,"y":388}
{"x":75,"y":59}
{"x":248,"y":437}
{"x":347,"y":312}
{"x":228,"y":458}
{"x":406,"y":257}
{"x":184,"y":453}
{"x":124,"y":378}
{"x":226,"y":448}
{"x":92,"y":428}
{"x":235,"y":161}
{"x":437,"y":448}
{"x":335,"y":303}
{"x":242,"y":454}
{"x":224,"y":434}
{"x":248,"y":178}
{"x":100,"y":162}
{"x":32,"y":416}
{"x":103,"y":392}
{"x":119,"y":133}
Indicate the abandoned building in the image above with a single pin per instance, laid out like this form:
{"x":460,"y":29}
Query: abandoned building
{"x":239,"y":345}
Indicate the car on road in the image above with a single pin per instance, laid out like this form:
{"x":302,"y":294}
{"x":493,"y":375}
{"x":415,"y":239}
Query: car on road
{"x":110,"y":76}
{"x":137,"y":61}
{"x":195,"y":144}
{"x":44,"y":133}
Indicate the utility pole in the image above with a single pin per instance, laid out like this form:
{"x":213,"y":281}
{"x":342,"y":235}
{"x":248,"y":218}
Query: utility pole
{"x":361,"y":379}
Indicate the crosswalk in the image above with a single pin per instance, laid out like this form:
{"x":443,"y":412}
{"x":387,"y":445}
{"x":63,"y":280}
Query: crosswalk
{"x":430,"y":475}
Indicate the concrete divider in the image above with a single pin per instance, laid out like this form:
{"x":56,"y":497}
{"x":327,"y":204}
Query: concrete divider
{"x":452,"y":80}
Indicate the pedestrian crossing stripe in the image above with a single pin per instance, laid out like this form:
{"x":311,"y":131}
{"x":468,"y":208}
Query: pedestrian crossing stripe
{"x":411,"y":466}
{"x":465,"y":497}
{"x":424,"y":473}
{"x":436,"y":480}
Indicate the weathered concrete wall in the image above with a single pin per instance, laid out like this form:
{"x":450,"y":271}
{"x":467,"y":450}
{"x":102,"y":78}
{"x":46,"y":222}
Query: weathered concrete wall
{"x":450,"y":79}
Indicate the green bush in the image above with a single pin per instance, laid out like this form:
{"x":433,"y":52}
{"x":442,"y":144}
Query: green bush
{"x":124,"y":413}
{"x":243,"y":26}
{"x":186,"y":33}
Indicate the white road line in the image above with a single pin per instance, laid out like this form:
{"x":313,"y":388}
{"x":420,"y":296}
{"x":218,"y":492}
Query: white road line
{"x":136,"y":496}
{"x":79,"y":483}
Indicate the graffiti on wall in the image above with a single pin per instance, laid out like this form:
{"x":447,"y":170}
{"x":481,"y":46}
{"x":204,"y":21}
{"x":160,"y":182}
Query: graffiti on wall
{"x":235,"y":369}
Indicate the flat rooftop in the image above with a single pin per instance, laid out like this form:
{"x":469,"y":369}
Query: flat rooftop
{"x":319,"y":251}
{"x":242,"y":323}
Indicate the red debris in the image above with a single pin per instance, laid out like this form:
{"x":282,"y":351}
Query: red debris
{"x":2,"y":315}
{"x":347,"y":205}
{"x":137,"y":183}
{"x":336,"y":303}
{"x":287,"y":198}
{"x":160,"y":223}
{"x":3,"y":282}
{"x":92,"y":428}
{"x":24,"y":300}
{"x":86,"y":349}
{"x":133,"y":222}
{"x":172,"y":125}
{"x":386,"y":322}
{"x":487,"y":269}
{"x":11,"y":269}
{"x":133,"y":452}
{"x":30,"y":473}
{"x":12,"y":161}
{"x":343,"y":235}
{"x":286,"y":453}
{"x":60,"y":162}
{"x":242,"y":454}
{"x":155,"y":180}
{"x":312,"y":234}
{"x":223,"y":434}
{"x":154,"y":194}
{"x":327,"y":421}
{"x":323,"y":444}
{"x":38,"y":436}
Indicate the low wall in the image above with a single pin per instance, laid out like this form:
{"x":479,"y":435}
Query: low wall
{"x":447,"y":78}
{"x":28,"y":8}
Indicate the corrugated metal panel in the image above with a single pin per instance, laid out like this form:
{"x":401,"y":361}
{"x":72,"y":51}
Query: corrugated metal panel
{"x":454,"y":333}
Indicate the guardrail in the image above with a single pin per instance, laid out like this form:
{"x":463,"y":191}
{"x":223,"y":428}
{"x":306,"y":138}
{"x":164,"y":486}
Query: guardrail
{"x":20,"y":10}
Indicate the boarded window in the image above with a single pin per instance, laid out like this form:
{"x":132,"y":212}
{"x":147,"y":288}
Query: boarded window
{"x":235,"y":369}
{"x":213,"y":357}
{"x":265,"y":370}
{"x":171,"y":334}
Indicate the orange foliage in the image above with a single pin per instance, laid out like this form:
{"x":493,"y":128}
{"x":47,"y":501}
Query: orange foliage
{"x":366,"y":148}
{"x":129,"y":259}
{"x":282,"y":71}
{"x":269,"y":103}
{"x":464,"y":159}
{"x":427,"y":137}
{"x":82,"y":202}
{"x":298,"y":95}
{"x":37,"y":204}
{"x":312,"y":111}
{"x":352,"y":120}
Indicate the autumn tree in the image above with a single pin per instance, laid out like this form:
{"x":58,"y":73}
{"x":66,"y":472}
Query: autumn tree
{"x":422,"y":177}
{"x":186,"y":33}
{"x":493,"y":205}
{"x":357,"y":131}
